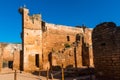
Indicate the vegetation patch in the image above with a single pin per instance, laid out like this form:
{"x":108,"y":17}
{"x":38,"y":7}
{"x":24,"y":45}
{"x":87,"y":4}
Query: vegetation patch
{"x":67,"y":45}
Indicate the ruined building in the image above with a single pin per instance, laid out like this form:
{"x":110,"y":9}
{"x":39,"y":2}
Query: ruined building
{"x":10,"y":55}
{"x":106,"y":50}
{"x":45,"y":45}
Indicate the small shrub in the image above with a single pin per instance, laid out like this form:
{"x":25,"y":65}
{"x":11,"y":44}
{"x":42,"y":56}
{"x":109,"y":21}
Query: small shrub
{"x":56,"y":68}
{"x":53,"y":50}
{"x":67,"y":45}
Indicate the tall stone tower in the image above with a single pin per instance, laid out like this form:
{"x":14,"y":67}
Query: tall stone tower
{"x":31,"y":40}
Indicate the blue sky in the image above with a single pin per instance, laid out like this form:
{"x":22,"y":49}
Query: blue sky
{"x":65,"y":12}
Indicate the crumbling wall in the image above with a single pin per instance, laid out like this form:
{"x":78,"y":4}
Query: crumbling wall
{"x":42,"y":38}
{"x":87,"y":50}
{"x":16,"y":58}
{"x":106,"y":50}
{"x":31,"y":40}
{"x":55,"y":37}
{"x":8,"y":54}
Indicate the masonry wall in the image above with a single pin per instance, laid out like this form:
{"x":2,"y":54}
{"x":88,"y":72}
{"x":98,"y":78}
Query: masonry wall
{"x":31,"y":40}
{"x":55,"y":36}
{"x":8,"y":53}
{"x":43,"y":38}
{"x":54,"y":39}
{"x":106,"y":50}
{"x":16,"y":59}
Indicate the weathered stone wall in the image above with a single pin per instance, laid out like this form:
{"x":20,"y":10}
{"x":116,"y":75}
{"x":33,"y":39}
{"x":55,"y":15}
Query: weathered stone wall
{"x":106,"y":50}
{"x":54,"y":40}
{"x":56,"y":36}
{"x":68,"y":57}
{"x":8,"y":53}
{"x":87,"y":49}
{"x":42,"y":38}
{"x":31,"y":39}
{"x":16,"y":60}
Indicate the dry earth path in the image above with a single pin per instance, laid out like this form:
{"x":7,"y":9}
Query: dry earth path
{"x":8,"y":74}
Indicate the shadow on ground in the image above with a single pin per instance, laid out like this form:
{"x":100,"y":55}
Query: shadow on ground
{"x":71,"y":73}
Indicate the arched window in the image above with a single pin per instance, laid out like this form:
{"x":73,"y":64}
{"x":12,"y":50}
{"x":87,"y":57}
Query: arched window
{"x":77,"y":37}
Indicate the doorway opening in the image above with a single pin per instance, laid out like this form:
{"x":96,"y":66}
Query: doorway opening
{"x":21,"y":60}
{"x":37,"y":60}
{"x":10,"y":64}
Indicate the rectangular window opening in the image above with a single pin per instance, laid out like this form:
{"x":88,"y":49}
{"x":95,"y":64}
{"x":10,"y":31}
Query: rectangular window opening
{"x":68,"y":38}
{"x":37,"y":60}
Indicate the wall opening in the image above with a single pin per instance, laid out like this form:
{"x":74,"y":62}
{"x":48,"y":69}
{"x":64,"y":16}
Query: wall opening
{"x":85,"y":53}
{"x":75,"y":57}
{"x":10,"y":64}
{"x":4,"y":64}
{"x":103,"y":44}
{"x":44,"y":28}
{"x":21,"y":60}
{"x":37,"y":60}
{"x":85,"y":57}
{"x":50,"y":60}
{"x":68,"y":38}
{"x":77,"y":37}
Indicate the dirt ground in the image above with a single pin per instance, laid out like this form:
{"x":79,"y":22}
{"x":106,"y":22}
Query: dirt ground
{"x":8,"y":74}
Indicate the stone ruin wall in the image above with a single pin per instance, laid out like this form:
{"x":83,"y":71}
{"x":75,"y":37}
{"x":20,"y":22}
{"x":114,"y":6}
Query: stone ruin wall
{"x":106,"y":50}
{"x":54,"y":40}
{"x":31,"y":39}
{"x":10,"y":52}
{"x":55,"y":37}
{"x":41,"y":38}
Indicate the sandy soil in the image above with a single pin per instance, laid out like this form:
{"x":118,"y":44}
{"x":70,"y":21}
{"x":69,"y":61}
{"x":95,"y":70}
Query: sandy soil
{"x":8,"y":74}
